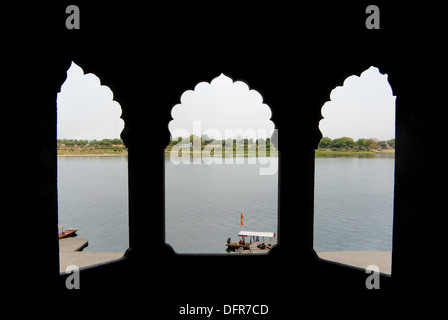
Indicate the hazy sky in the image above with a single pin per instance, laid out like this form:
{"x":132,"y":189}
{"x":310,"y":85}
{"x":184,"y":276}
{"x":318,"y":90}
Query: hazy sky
{"x":86,"y":109}
{"x":363,"y":107}
{"x":212,"y":108}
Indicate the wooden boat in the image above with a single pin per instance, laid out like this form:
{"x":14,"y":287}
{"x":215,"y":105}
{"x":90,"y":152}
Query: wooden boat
{"x":67,"y":232}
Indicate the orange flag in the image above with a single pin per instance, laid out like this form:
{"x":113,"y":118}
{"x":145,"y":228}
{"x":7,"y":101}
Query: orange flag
{"x":242,"y":217}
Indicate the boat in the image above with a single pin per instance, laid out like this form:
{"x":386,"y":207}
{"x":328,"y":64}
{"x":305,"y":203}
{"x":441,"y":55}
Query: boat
{"x":252,"y":240}
{"x":67,"y":233}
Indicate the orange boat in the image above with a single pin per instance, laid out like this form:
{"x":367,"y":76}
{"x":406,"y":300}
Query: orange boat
{"x":66,"y":233}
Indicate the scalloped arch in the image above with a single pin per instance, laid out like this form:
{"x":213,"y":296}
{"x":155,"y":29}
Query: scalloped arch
{"x":221,"y":104}
{"x":86,"y":108}
{"x":362,"y":107}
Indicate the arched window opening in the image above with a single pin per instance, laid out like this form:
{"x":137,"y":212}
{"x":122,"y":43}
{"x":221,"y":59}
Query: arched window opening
{"x":92,"y":173}
{"x":354,"y":173}
{"x":221,"y":171}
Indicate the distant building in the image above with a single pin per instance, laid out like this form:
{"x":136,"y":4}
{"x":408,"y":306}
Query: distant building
{"x":186,"y":145}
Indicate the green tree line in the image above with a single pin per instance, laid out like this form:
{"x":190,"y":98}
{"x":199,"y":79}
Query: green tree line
{"x":346,"y":143}
{"x":239,"y":143}
{"x":94,"y":142}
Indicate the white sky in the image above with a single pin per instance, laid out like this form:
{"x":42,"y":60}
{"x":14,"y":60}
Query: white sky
{"x":212,"y":108}
{"x":363,"y":107}
{"x":86,"y":109}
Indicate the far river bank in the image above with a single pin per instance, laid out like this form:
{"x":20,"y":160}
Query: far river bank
{"x":318,"y":153}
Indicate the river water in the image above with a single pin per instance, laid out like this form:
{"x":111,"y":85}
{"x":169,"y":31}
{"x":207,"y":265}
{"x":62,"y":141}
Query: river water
{"x":353,"y":203}
{"x":93,"y":197}
{"x":204,"y":203}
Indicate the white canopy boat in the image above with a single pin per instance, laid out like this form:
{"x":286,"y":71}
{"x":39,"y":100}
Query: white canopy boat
{"x":251,"y":240}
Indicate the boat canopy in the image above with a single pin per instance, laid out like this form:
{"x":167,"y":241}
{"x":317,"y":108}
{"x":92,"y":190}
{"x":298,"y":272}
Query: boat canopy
{"x":256,"y":234}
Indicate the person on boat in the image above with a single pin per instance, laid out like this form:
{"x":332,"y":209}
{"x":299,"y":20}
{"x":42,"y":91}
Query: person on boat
{"x":228,"y":240}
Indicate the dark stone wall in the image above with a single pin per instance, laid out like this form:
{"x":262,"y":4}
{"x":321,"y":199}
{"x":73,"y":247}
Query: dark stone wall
{"x":294,"y":56}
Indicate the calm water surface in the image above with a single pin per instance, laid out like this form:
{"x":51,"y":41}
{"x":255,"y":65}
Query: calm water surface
{"x":353,"y":203}
{"x":93,"y":197}
{"x":204,"y":204}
